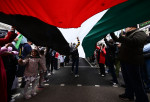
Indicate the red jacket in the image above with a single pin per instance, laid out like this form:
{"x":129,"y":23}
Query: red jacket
{"x":102,"y":56}
{"x":97,"y":48}
{"x":56,"y":55}
{"x":3,"y":79}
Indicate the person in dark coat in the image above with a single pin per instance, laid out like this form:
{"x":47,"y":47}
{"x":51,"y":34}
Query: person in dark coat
{"x":131,"y":57}
{"x":111,"y":49}
{"x":75,"y":57}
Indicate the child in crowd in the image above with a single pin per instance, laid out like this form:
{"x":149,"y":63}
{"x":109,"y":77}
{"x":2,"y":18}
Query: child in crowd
{"x":31,"y":71}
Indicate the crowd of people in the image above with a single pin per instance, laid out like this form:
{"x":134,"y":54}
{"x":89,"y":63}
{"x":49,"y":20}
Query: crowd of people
{"x":19,"y":57}
{"x":129,"y":53}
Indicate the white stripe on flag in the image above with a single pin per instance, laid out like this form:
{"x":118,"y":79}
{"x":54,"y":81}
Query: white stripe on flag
{"x":72,"y":33}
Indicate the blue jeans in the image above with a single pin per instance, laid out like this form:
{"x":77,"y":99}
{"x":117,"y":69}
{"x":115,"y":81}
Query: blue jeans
{"x":75,"y":61}
{"x":133,"y":81}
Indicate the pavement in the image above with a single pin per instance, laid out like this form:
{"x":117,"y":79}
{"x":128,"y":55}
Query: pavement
{"x":64,"y":87}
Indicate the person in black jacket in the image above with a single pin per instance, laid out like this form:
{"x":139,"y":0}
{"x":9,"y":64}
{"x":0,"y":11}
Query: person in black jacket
{"x":132,"y":59}
{"x":75,"y":57}
{"x":111,"y":49}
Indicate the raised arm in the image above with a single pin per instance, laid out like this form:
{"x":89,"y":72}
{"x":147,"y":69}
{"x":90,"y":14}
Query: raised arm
{"x":78,"y":42}
{"x":9,"y":37}
{"x":137,"y":39}
{"x":114,"y":37}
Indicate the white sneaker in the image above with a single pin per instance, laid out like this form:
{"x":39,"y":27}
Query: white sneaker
{"x":76,"y":75}
{"x":102,"y":75}
{"x":49,"y":74}
{"x":115,"y":85}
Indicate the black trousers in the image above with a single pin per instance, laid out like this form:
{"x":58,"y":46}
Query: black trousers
{"x":102,"y":68}
{"x":52,"y":63}
{"x":133,"y":82}
{"x":10,"y":78}
{"x":55,"y":63}
{"x":75,"y":61}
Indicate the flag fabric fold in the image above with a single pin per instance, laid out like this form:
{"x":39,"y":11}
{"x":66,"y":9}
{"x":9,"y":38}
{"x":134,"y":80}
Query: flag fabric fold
{"x":118,"y":17}
{"x":60,"y":13}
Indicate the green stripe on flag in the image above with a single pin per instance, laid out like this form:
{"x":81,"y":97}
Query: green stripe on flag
{"x":19,"y":41}
{"x":116,"y":18}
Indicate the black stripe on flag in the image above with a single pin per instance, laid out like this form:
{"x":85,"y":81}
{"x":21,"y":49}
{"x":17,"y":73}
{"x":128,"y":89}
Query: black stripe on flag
{"x":37,"y":31}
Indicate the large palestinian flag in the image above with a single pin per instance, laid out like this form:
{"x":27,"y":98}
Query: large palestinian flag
{"x":38,"y":19}
{"x":120,"y":16}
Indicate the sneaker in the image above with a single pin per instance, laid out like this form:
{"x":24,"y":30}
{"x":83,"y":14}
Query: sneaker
{"x":27,"y":96}
{"x":115,"y":85}
{"x":102,"y":75}
{"x":125,"y":97}
{"x":76,"y":75}
{"x":49,"y":74}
